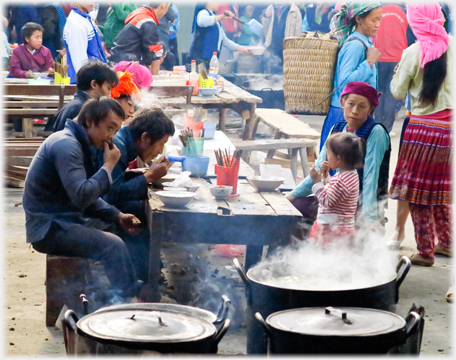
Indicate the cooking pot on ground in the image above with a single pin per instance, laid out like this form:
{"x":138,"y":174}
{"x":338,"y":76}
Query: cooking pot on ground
{"x":346,"y":330}
{"x":267,"y":299}
{"x":142,"y":327}
{"x":269,"y":90}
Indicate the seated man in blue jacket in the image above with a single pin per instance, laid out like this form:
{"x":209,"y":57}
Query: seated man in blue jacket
{"x":145,"y":136}
{"x":62,"y":195}
{"x":94,"y":78}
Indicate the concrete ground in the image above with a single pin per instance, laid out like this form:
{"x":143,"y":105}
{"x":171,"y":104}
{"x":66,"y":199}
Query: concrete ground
{"x":25,"y":333}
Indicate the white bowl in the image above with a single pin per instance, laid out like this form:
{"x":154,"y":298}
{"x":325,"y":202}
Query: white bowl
{"x":167,"y":178}
{"x":221,"y":192}
{"x":265,"y":183}
{"x":169,"y":184}
{"x":175,"y":199}
{"x":207,"y":91}
{"x":193,"y":187}
{"x":257,"y":50}
{"x":174,"y":188}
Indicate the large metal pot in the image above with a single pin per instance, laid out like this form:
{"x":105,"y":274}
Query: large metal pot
{"x":143,"y":327}
{"x":346,"y":330}
{"x":268,"y":299}
{"x":243,"y":64}
{"x":269,"y":90}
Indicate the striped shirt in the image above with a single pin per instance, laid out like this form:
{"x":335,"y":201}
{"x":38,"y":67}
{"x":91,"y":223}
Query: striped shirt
{"x":338,"y":199}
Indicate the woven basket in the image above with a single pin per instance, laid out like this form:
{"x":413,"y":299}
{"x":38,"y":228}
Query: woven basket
{"x":308,"y":72}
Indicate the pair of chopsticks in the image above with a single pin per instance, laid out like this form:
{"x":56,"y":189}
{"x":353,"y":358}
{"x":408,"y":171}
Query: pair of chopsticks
{"x":202,"y":71}
{"x":198,"y":114}
{"x":185,"y":134}
{"x":60,"y":69}
{"x":224,"y":159}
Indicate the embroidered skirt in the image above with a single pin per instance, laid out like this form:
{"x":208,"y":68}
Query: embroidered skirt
{"x":423,"y":171}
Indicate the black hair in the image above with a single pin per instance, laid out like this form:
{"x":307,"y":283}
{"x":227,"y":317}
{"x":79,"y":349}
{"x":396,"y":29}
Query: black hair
{"x":434,"y":74}
{"x":95,"y":70}
{"x":98,"y":108}
{"x":29,"y":28}
{"x":349,"y":147}
{"x":362,"y":16}
{"x":152,"y":121}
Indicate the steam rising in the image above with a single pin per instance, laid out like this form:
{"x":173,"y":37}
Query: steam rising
{"x":340,"y":265}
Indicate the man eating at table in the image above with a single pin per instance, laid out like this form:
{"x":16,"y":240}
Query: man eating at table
{"x":64,"y":212}
{"x":145,"y":136}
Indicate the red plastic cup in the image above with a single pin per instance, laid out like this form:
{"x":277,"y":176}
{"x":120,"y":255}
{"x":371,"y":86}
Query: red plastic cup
{"x":228,"y":175}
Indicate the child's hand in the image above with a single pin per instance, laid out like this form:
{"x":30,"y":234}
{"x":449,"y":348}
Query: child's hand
{"x":324,"y":167}
{"x":29,"y":74}
{"x":315,"y":175}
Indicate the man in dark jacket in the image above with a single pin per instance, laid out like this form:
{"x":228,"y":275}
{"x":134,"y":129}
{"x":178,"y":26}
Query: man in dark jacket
{"x":52,"y":36}
{"x":145,"y":136}
{"x":94,"y":78}
{"x":139,"y":39}
{"x":64,"y":214}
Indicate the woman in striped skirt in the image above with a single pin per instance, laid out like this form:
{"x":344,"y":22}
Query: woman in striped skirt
{"x":423,"y":172}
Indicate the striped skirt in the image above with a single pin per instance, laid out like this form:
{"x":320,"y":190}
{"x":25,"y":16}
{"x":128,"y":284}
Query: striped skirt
{"x":423,"y":170}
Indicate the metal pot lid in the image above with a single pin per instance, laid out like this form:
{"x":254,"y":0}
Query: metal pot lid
{"x":184,"y":309}
{"x":145,"y":326}
{"x":340,"y":321}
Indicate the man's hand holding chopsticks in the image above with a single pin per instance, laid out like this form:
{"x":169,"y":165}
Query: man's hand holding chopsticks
{"x":158,"y":169}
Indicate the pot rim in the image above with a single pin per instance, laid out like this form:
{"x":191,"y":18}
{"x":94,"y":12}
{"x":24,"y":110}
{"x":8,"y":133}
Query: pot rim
{"x":249,"y":276}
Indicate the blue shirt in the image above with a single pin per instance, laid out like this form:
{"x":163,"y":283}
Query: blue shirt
{"x":376,"y":146}
{"x":173,"y":29}
{"x":62,"y":186}
{"x":352,"y":66}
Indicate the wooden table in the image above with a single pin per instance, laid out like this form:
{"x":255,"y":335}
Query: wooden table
{"x":252,"y":218}
{"x":231,"y":97}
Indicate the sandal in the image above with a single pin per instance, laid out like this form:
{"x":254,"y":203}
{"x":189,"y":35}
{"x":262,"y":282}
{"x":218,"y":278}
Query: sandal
{"x":442,"y":251}
{"x":449,"y":295}
{"x":420,"y":260}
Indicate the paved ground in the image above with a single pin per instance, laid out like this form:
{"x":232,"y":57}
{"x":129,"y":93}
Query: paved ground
{"x":24,"y":275}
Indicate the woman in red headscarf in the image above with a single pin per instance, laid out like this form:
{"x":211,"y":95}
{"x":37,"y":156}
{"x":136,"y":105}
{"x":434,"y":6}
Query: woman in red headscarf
{"x":127,"y":94}
{"x":423,"y":172}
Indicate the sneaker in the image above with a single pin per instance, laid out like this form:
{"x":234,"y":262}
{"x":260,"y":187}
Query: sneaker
{"x":442,"y":251}
{"x":392,"y":134}
{"x":420,"y":260}
{"x":393,"y":244}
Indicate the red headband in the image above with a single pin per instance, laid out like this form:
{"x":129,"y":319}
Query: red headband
{"x":363,"y":89}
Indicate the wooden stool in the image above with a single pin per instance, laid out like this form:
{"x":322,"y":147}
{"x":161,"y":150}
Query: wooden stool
{"x":66,"y":279}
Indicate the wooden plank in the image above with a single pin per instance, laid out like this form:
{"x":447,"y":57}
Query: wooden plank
{"x":280,"y":204}
{"x":287,"y":124}
{"x":29,"y":112}
{"x":256,"y":145}
{"x":30,"y":104}
{"x":284,"y":163}
{"x":14,"y":182}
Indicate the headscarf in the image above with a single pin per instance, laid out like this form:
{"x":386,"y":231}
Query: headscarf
{"x":320,"y":10}
{"x":340,"y":23}
{"x":426,"y":21}
{"x":126,"y":86}
{"x":363,"y":89}
{"x":142,"y":76}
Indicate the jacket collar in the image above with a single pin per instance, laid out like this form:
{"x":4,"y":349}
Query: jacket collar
{"x":126,"y":134}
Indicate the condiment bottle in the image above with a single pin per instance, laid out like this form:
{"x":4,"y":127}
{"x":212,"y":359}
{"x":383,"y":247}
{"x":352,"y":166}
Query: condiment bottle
{"x":193,"y":78}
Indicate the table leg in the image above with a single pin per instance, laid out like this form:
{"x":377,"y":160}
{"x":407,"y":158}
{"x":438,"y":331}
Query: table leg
{"x":27,"y":127}
{"x":253,"y":255}
{"x":222,"y":119}
{"x":251,"y":122}
{"x":150,"y":291}
{"x":271,"y":153}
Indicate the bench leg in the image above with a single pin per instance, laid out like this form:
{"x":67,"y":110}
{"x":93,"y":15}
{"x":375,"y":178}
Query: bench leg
{"x":304,"y":161}
{"x":222,"y":113}
{"x":294,"y":163}
{"x":27,"y":127}
{"x":271,"y":153}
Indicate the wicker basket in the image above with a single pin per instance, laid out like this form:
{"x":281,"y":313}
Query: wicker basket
{"x":308,"y":72}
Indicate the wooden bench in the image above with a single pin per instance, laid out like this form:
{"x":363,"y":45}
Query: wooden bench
{"x":27,"y":101}
{"x":66,"y":279}
{"x":293,"y":145}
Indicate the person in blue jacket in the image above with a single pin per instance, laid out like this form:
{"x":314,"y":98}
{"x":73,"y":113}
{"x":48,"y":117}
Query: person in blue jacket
{"x":144,"y":137}
{"x":358,"y":102}
{"x":64,"y":212}
{"x":353,"y":26}
{"x":208,"y":34}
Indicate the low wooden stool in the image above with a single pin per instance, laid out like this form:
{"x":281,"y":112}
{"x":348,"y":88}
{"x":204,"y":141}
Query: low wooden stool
{"x":66,"y":279}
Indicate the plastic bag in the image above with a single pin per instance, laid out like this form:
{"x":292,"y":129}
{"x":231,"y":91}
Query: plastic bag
{"x":229,"y":250}
{"x":183,"y":179}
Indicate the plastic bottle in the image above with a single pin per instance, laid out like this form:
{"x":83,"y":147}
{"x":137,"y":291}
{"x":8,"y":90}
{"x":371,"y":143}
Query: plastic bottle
{"x":214,"y":67}
{"x":193,"y":78}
